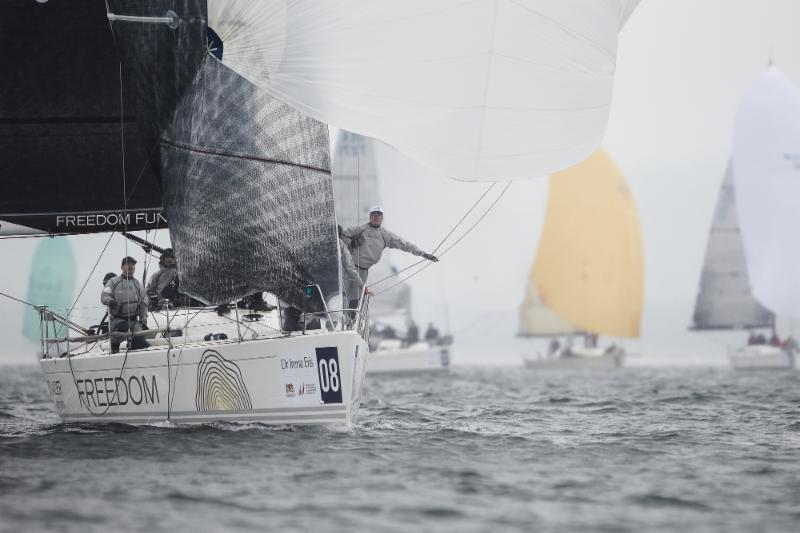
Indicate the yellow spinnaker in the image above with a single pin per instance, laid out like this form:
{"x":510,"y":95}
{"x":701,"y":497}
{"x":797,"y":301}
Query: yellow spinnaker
{"x":589,"y":266}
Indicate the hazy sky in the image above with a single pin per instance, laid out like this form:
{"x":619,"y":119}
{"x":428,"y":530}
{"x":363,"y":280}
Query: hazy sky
{"x":682,"y":67}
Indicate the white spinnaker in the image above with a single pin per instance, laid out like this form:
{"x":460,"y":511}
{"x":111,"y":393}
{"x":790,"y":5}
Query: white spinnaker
{"x":477,"y":89}
{"x":766,"y":162}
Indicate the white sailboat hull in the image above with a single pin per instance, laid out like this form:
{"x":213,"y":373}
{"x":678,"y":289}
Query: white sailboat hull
{"x":761,"y":357}
{"x":417,"y":358}
{"x":316,"y":378}
{"x":578,"y":358}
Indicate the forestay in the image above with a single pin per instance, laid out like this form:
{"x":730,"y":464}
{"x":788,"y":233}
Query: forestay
{"x":246,"y":178}
{"x":725,"y":299}
{"x":766,"y":162}
{"x":478,"y":90}
{"x":589,"y":265}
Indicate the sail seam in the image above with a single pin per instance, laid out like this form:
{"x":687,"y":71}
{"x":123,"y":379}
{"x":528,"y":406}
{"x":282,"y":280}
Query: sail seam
{"x":223,"y":153}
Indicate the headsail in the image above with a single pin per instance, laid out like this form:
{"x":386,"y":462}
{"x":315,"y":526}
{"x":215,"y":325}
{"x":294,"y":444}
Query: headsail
{"x":766,"y":164}
{"x":536,"y":319}
{"x":61,"y":163}
{"x":725,"y":300}
{"x":589,"y":266}
{"x":480,"y":90}
{"x":246,"y":178}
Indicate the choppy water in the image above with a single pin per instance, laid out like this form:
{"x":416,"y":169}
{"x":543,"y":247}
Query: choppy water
{"x":475,"y":450}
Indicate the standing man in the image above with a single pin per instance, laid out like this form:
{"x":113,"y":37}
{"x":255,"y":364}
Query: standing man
{"x":127,"y":307}
{"x":367,"y":242}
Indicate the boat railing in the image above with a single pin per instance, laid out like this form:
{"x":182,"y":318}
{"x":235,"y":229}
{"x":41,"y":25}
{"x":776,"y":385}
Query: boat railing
{"x":61,"y":335}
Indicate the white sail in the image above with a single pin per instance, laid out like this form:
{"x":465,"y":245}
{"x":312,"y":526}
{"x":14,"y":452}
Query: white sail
{"x":766,"y":162}
{"x":725,"y":300}
{"x":537,"y":320}
{"x":479,"y":90}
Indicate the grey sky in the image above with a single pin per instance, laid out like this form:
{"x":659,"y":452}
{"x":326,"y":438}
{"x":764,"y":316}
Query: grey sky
{"x":681,"y":69}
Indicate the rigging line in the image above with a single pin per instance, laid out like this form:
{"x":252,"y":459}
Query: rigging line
{"x":472,"y":207}
{"x":18,"y":300}
{"x":452,"y":245}
{"x":80,"y":293}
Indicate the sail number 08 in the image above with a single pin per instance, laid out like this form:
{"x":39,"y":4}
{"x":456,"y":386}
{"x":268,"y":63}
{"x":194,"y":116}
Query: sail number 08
{"x":329,"y":375}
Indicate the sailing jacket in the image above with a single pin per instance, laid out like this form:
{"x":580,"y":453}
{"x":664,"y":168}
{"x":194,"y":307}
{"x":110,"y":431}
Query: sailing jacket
{"x":161,"y":279}
{"x":349,"y":271}
{"x":128,"y":294}
{"x":372,"y":242}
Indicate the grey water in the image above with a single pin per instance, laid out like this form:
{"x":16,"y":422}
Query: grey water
{"x":475,"y":449}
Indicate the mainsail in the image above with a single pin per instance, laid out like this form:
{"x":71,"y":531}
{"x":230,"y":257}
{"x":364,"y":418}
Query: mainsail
{"x":61,"y":121}
{"x":725,"y":300}
{"x":766,"y":165}
{"x":246,"y":178}
{"x":588,"y":269}
{"x":357,"y":189}
{"x":479,"y":90}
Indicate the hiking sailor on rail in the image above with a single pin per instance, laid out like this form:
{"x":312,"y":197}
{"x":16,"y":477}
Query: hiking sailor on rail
{"x":367,"y":242}
{"x":127,"y":306}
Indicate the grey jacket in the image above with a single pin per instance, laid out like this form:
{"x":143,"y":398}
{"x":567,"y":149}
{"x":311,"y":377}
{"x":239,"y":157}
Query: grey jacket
{"x":161,"y":279}
{"x":128,"y":294}
{"x":349,"y":272}
{"x":374,"y":240}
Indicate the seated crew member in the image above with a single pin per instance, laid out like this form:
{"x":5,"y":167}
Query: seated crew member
{"x":368,"y":241}
{"x":127,"y":306}
{"x":165,"y":278}
{"x":431,"y":334}
{"x":412,"y":333}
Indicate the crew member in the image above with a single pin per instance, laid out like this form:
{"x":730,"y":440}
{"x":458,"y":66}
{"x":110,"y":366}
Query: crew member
{"x":367,"y":242}
{"x":127,"y":306}
{"x":167,"y":276}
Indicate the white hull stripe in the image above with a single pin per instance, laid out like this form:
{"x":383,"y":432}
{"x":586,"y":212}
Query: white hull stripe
{"x":285,"y":419}
{"x":321,"y":410}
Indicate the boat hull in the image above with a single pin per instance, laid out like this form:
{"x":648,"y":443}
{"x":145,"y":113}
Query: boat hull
{"x":592,"y":359}
{"x":761,"y":357}
{"x":418,"y":358}
{"x":315,"y":378}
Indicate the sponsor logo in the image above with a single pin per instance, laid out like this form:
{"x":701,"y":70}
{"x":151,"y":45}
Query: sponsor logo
{"x":220,"y":385}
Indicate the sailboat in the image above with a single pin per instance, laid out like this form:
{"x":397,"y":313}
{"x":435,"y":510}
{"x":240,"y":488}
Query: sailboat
{"x":237,"y":174}
{"x":587,"y":277}
{"x":210,"y":119}
{"x":749,"y":275}
{"x":357,"y":188}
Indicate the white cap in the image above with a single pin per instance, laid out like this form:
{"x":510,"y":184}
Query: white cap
{"x":376,"y":209}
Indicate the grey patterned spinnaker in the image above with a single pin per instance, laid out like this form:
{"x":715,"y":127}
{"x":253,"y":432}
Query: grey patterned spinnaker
{"x":245,"y":178}
{"x":725,"y":300}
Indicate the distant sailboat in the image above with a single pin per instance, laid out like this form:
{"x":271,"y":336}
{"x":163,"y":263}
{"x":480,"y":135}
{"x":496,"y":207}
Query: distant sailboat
{"x":724,"y":301}
{"x":763,"y":182}
{"x":587,"y":277}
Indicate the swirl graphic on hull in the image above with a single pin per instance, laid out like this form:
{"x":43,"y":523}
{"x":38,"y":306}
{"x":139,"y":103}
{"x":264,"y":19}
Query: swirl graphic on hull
{"x":220,"y":386}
